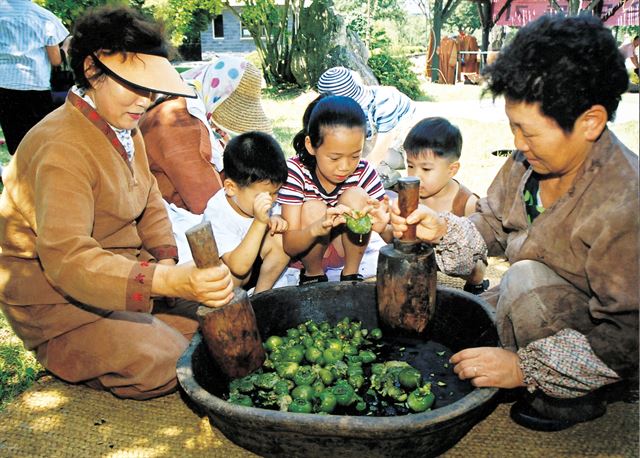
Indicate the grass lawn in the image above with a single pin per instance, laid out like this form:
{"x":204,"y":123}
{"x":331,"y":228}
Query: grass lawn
{"x":4,"y":153}
{"x":18,"y":367}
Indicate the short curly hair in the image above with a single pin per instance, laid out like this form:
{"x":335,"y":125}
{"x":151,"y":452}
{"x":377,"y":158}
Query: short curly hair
{"x":113,"y":29}
{"x":567,"y":64}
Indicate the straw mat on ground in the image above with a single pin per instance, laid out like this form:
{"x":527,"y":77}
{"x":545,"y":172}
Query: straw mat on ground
{"x":55,"y":419}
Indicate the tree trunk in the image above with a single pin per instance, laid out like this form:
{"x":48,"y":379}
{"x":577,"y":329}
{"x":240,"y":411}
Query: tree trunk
{"x":484,"y":11}
{"x":367,"y":32}
{"x":437,"y":31}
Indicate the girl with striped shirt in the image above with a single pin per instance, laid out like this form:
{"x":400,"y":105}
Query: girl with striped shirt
{"x":327,"y":179}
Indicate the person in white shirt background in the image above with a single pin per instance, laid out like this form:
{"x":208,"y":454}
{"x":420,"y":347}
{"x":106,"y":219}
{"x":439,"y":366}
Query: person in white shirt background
{"x":29,"y":39}
{"x":628,"y":50}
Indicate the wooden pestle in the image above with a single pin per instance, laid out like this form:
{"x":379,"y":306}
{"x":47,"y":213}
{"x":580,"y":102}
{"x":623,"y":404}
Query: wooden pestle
{"x":408,"y":197}
{"x":230,"y":332}
{"x":407,"y":271}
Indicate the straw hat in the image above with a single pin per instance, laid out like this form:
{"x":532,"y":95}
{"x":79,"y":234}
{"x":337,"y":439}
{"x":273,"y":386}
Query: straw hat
{"x":148,"y":72}
{"x":242,"y":111}
{"x":340,"y":81}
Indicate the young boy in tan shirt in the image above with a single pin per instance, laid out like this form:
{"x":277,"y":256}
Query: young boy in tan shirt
{"x":433,"y":148}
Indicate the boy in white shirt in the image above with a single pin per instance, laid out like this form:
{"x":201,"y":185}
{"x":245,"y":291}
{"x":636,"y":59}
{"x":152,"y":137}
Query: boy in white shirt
{"x":241,"y":213}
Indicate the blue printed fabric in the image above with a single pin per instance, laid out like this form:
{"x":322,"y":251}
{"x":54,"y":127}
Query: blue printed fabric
{"x":25,"y":30}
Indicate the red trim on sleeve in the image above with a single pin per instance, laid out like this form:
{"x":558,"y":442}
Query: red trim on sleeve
{"x":139,"y":287}
{"x":164,"y":252}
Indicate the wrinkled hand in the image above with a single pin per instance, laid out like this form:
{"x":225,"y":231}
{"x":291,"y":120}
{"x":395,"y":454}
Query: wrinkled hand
{"x":430,"y":227}
{"x":332,"y":218}
{"x":262,"y":207}
{"x":379,"y":213}
{"x":489,"y":367}
{"x":278,"y":225}
{"x":212,"y":286}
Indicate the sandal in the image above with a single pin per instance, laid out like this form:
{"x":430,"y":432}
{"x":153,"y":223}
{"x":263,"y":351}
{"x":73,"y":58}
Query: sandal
{"x":477,"y":289}
{"x":351,"y":277}
{"x":311,"y":279}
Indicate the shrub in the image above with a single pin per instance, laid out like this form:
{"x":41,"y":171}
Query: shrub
{"x":395,"y":71}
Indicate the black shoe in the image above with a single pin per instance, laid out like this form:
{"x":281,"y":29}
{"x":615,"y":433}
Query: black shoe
{"x":477,"y":289}
{"x":508,"y":396}
{"x":351,"y":277}
{"x":311,"y":279}
{"x":540,"y":412}
{"x":525,"y":415}
{"x":624,"y":391}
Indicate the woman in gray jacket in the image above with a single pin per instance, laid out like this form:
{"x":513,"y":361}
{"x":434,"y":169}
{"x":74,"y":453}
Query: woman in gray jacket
{"x":564,"y":211}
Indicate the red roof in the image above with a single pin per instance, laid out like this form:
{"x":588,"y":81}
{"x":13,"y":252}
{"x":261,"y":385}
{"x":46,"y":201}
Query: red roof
{"x":520,"y":12}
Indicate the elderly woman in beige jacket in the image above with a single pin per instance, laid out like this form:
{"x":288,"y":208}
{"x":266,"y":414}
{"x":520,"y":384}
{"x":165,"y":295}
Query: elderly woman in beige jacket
{"x":564,"y":211}
{"x":86,"y":244}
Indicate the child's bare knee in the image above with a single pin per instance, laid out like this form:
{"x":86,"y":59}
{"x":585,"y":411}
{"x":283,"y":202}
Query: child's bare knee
{"x":273,"y":249}
{"x":310,"y":211}
{"x":355,"y":198}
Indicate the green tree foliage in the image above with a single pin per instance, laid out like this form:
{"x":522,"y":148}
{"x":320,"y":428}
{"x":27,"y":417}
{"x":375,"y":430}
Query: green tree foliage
{"x":406,"y":36}
{"x":361,"y":15}
{"x":393,"y":70}
{"x":274,"y":29}
{"x":185,"y":19}
{"x":314,"y":51}
{"x":464,"y":17}
{"x":69,"y":10}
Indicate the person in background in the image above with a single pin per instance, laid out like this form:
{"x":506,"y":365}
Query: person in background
{"x":241,"y":213}
{"x":64,"y":73}
{"x":433,"y":148}
{"x":564,"y":211}
{"x":389,"y":114}
{"x":628,"y":51}
{"x":29,"y":39}
{"x":87,"y":258}
{"x":327,"y":179}
{"x":185,"y":138}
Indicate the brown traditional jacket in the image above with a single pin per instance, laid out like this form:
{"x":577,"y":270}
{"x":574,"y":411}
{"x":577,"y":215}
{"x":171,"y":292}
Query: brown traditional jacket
{"x":78,"y":225}
{"x":468,"y":62}
{"x":448,"y":55}
{"x":179,"y":150}
{"x":589,"y":237}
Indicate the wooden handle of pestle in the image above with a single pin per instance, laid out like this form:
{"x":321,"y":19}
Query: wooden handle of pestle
{"x":203,"y":245}
{"x":230,"y":332}
{"x":408,"y":196}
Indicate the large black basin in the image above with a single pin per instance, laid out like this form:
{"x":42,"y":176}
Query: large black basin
{"x":461,"y":320}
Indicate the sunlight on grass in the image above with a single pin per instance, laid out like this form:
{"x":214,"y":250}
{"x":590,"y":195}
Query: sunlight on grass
{"x":450,"y":92}
{"x":286,"y":116}
{"x":628,"y":133}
